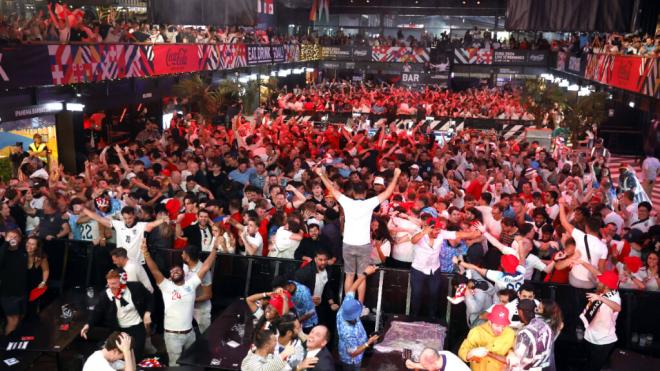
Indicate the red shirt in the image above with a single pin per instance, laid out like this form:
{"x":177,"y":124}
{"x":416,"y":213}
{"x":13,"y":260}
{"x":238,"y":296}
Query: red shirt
{"x":475,"y":189}
{"x":558,"y":275}
{"x":263,"y":231}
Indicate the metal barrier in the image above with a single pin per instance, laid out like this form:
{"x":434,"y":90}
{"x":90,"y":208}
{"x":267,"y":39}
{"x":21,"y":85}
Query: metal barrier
{"x":79,"y":263}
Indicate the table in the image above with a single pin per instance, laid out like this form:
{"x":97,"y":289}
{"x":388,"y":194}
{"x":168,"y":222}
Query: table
{"x":48,"y":338}
{"x":213,"y":344}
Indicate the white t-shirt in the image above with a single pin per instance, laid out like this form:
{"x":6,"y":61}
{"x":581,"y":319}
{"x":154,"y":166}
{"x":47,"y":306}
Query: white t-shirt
{"x":136,"y":273}
{"x":255,"y":240}
{"x":452,"y":362}
{"x":320,"y":280}
{"x":206,"y":281}
{"x":96,"y":362}
{"x":385,"y":248}
{"x":403,"y":250}
{"x":426,"y":257}
{"x":130,"y":238}
{"x":285,"y":247}
{"x":503,"y":281}
{"x":616,"y":219}
{"x":179,"y":303}
{"x":597,"y":249}
{"x":642,"y":275}
{"x":357,"y":224}
{"x":650,"y":167}
{"x":602,"y":329}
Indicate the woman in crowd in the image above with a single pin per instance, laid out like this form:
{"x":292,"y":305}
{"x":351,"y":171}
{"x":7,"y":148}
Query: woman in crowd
{"x":381,"y":241}
{"x":38,"y":269}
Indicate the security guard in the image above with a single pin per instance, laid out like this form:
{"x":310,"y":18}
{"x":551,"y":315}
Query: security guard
{"x":39,"y":149}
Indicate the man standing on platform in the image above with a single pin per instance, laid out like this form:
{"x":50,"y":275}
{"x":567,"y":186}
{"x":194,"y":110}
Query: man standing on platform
{"x":353,"y":341}
{"x":314,"y":275}
{"x":356,"y":249}
{"x":179,"y":297}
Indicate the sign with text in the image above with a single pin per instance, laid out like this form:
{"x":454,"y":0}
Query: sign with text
{"x":258,"y":54}
{"x":336,"y":52}
{"x":361,"y":53}
{"x":175,"y":59}
{"x":413,"y":78}
{"x":278,"y":53}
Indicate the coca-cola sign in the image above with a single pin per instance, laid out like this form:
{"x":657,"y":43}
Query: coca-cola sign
{"x":176,"y":57}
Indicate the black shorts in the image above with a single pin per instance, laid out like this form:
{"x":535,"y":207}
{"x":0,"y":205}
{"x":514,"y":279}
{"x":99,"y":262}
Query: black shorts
{"x":13,"y":305}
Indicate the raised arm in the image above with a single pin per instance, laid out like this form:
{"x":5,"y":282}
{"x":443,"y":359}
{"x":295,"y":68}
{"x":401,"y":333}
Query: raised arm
{"x":208,"y":263}
{"x":153,"y":268}
{"x":328,"y":184}
{"x":390,"y":187}
{"x":481,"y":271}
{"x":92,"y":215}
{"x":562,"y":217}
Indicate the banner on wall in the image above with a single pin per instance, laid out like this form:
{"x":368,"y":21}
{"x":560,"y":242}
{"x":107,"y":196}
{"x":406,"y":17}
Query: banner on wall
{"x":399,"y":54}
{"x":278,"y":53}
{"x":15,"y":63}
{"x":627,"y":73}
{"x":178,"y":58}
{"x":520,"y":57}
{"x":342,"y":52}
{"x":361,"y":53}
{"x":310,"y":52}
{"x":561,"y":61}
{"x":473,"y":56}
{"x":258,"y":54}
{"x":413,"y":78}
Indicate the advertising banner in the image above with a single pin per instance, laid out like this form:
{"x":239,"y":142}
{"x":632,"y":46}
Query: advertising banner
{"x":15,"y":63}
{"x":510,"y":57}
{"x":310,"y":52}
{"x":177,"y":58}
{"x":292,"y":52}
{"x":413,"y":78}
{"x":278,"y":53}
{"x":258,"y":54}
{"x":473,"y":56}
{"x":561,"y":61}
{"x":627,"y":73}
{"x":575,"y":64}
{"x":537,"y":58}
{"x":399,"y":54}
{"x":336,"y":52}
{"x":361,"y":53}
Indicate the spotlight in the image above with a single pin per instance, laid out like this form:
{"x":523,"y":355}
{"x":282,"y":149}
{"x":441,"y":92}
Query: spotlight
{"x":631,"y":104}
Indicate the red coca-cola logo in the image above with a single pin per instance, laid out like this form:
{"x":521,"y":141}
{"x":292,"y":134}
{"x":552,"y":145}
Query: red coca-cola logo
{"x":176,"y":57}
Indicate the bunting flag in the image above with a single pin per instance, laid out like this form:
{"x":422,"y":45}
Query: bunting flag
{"x":312,"y":12}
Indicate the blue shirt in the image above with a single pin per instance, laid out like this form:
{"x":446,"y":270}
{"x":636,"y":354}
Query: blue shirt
{"x":447,"y":252}
{"x":243,"y":178}
{"x":303,"y":303}
{"x":509,"y":213}
{"x":350,"y":337}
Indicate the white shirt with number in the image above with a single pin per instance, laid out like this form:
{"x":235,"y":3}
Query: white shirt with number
{"x":357,"y":215}
{"x":503,"y":280}
{"x":130,"y":238}
{"x":179,"y":303}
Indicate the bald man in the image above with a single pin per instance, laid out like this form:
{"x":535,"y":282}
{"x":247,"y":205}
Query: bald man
{"x":317,"y":339}
{"x":432,"y":360}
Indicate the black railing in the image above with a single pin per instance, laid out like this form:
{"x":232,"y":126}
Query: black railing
{"x":79,"y":263}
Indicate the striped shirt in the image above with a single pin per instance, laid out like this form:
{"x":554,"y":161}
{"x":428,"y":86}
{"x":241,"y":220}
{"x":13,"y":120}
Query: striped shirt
{"x":255,"y":362}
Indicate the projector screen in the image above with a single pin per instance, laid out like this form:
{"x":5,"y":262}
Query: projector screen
{"x":203,"y":12}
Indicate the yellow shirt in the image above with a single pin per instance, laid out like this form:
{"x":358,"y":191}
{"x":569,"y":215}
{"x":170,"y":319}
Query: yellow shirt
{"x":482,"y":337}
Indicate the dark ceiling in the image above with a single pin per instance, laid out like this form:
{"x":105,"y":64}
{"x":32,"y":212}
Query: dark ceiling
{"x":421,"y":7}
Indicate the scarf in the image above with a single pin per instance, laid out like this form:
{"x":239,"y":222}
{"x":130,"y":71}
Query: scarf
{"x":592,"y":308}
{"x":123,"y":277}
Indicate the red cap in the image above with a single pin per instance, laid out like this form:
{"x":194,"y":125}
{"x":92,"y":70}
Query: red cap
{"x":499,"y":315}
{"x":509,"y":263}
{"x":609,"y":279}
{"x":633,"y":263}
{"x":277,"y":303}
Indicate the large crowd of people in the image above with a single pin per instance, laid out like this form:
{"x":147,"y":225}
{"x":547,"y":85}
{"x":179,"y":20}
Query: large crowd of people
{"x":390,"y":100}
{"x":495,"y":213}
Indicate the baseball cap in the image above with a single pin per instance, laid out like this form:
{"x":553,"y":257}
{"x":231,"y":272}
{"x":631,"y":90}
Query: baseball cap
{"x":499,"y":315}
{"x":634,"y":236}
{"x":351,"y":309}
{"x":509,"y":263}
{"x":633,"y":263}
{"x":609,"y":279}
{"x":379,"y":180}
